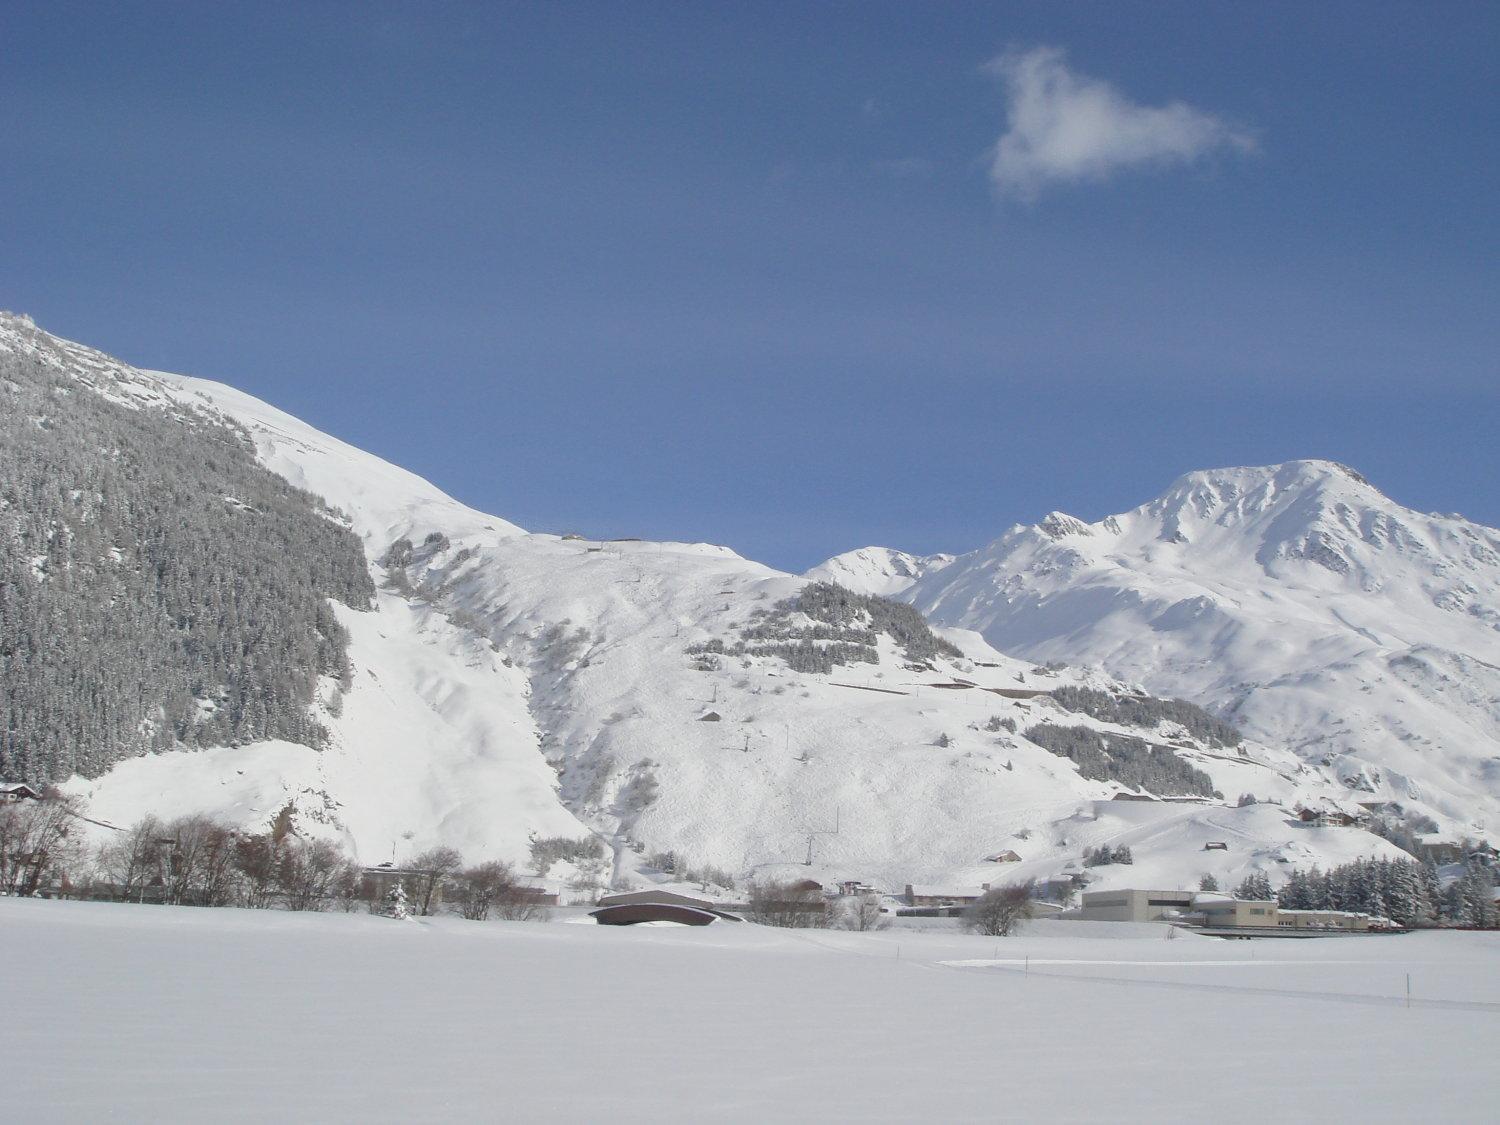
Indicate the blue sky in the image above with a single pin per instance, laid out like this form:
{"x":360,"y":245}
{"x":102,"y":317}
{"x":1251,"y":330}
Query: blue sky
{"x":768,"y":275}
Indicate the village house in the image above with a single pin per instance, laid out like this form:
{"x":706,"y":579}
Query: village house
{"x":923,"y":895}
{"x":1328,"y":816}
{"x":536,"y":891}
{"x":11,"y":791}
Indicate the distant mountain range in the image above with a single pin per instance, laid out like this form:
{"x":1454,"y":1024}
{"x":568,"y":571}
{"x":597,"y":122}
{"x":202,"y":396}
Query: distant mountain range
{"x":405,"y":670}
{"x":1295,"y":600}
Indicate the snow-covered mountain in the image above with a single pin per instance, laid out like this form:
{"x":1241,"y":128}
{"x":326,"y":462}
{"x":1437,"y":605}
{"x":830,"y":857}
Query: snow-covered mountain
{"x":878,"y":570}
{"x":1295,"y":600}
{"x":677,"y":697}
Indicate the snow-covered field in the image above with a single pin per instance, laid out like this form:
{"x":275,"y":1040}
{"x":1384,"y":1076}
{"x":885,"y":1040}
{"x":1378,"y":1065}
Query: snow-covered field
{"x":174,"y":1014}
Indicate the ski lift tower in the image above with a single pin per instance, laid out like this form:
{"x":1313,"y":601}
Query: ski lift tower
{"x":813,"y":835}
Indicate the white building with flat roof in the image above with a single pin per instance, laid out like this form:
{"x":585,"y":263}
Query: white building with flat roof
{"x":1136,"y":905}
{"x":1217,"y":912}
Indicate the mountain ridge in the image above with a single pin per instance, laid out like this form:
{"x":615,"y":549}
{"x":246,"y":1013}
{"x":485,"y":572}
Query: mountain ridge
{"x":510,"y":685}
{"x":1291,"y":598}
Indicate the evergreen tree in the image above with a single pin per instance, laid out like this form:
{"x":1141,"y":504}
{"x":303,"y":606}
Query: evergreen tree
{"x":1255,"y":888}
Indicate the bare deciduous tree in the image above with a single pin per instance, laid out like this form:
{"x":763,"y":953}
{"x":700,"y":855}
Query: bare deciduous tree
{"x":309,"y":873}
{"x":518,"y":903}
{"x":434,"y":866}
{"x":1000,"y":910}
{"x":793,"y":905}
{"x":860,"y":912}
{"x":127,"y":861}
{"x":197,"y":857}
{"x":481,"y":887}
{"x":39,"y":840}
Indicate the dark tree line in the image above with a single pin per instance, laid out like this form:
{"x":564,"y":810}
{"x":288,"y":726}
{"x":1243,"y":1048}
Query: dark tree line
{"x":158,"y":586}
{"x":1407,"y":892}
{"x":1130,"y":761}
{"x":1146,"y":712}
{"x":1104,"y":855}
{"x":826,"y":625}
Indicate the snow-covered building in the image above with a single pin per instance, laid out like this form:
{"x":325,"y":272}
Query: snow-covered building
{"x":924,"y":895}
{"x":18,"y":791}
{"x":632,"y":908}
{"x":657,"y":896}
{"x":1327,"y":816}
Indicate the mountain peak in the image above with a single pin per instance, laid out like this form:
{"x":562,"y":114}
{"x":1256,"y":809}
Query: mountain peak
{"x":883,"y":571}
{"x":1269,"y":481}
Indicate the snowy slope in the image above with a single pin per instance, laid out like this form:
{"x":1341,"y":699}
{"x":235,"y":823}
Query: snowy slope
{"x":1295,"y":599}
{"x":878,"y":570}
{"x":511,"y":684}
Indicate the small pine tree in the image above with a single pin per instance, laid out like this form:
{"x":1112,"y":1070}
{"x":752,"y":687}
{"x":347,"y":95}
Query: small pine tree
{"x":396,"y":905}
{"x":1208,"y":883}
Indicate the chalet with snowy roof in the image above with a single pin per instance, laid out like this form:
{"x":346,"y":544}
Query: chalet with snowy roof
{"x":1331,"y":816}
{"x":1003,"y":857}
{"x":11,"y":791}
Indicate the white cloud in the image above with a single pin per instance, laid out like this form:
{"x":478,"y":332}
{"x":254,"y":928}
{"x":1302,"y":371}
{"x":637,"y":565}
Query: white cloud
{"x":1065,"y":127}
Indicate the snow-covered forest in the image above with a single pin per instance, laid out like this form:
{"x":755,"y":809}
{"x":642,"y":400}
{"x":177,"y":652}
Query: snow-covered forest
{"x":158,"y":585}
